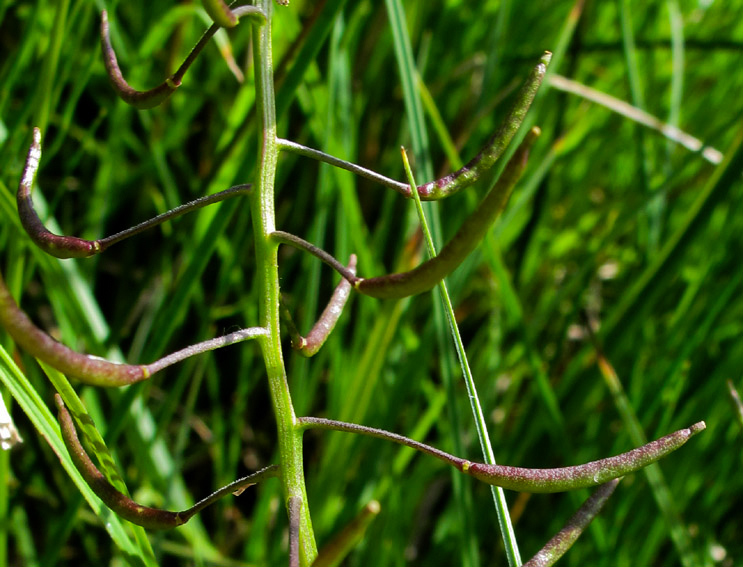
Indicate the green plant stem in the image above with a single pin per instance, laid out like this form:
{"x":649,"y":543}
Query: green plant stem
{"x":262,"y":210}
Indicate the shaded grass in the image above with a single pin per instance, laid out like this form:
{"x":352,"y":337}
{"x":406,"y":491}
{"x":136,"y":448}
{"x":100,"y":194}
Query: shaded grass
{"x":597,"y":240}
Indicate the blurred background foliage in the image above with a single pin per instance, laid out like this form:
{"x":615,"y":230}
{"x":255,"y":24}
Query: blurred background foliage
{"x":612,"y":222}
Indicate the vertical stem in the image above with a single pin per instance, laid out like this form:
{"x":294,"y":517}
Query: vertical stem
{"x":262,"y":211}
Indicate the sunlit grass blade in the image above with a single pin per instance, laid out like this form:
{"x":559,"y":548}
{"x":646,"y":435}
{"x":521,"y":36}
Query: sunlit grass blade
{"x":509,"y":536}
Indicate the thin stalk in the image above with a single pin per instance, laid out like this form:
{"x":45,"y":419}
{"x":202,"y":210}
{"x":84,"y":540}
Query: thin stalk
{"x":262,"y":210}
{"x":501,"y":506}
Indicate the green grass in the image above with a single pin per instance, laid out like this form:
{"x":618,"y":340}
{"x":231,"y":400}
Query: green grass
{"x":610,"y":217}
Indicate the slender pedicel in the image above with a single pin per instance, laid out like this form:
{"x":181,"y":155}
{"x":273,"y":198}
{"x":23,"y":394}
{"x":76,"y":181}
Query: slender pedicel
{"x":471,"y":233}
{"x":92,"y":369}
{"x":467,"y":175}
{"x":576,"y":525}
{"x":155,"y":96}
{"x":309,"y":346}
{"x":150,"y":518}
{"x":530,"y":480}
{"x":301,"y":244}
{"x":74,"y":247}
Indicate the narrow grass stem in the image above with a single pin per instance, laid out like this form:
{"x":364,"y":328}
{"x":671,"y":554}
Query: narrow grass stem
{"x":499,"y":498}
{"x":334,"y":552}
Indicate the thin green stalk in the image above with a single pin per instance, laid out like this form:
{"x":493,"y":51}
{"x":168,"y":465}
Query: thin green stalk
{"x":499,"y":497}
{"x":262,"y":210}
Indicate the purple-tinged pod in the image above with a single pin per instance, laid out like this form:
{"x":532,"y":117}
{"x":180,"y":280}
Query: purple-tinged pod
{"x":523,"y":479}
{"x":576,"y":525}
{"x":59,"y":246}
{"x":90,"y":369}
{"x":138,"y":99}
{"x":471,"y":233}
{"x":153,"y":97}
{"x":220,"y":13}
{"x":309,"y":346}
{"x":462,"y":178}
{"x":74,"y":247}
{"x":120,"y":503}
{"x":580,"y":476}
{"x":37,"y":343}
{"x":495,"y":146}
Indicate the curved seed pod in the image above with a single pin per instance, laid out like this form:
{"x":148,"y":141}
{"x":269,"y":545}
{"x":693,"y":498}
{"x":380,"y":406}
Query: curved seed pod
{"x":156,"y":96}
{"x":92,"y":369}
{"x":220,"y":13}
{"x":472,"y":231}
{"x":567,"y":536}
{"x":495,"y":146}
{"x":530,"y":480}
{"x":150,"y":518}
{"x":74,"y":247}
{"x":581,"y":476}
{"x":59,"y":246}
{"x":309,"y":346}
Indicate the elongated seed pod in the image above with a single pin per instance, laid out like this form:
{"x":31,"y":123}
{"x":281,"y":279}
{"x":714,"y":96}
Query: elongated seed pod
{"x":92,"y":369}
{"x":139,"y":99}
{"x":495,"y":146}
{"x":471,"y":233}
{"x":74,"y":247}
{"x":523,"y":479}
{"x":309,"y":346}
{"x":220,"y":13}
{"x":150,"y":518}
{"x":580,"y":476}
{"x":153,"y":97}
{"x":576,"y":525}
{"x":59,"y":246}
{"x":37,"y":343}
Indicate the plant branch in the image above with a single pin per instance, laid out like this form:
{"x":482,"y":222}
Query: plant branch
{"x":530,"y":480}
{"x":74,"y":247}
